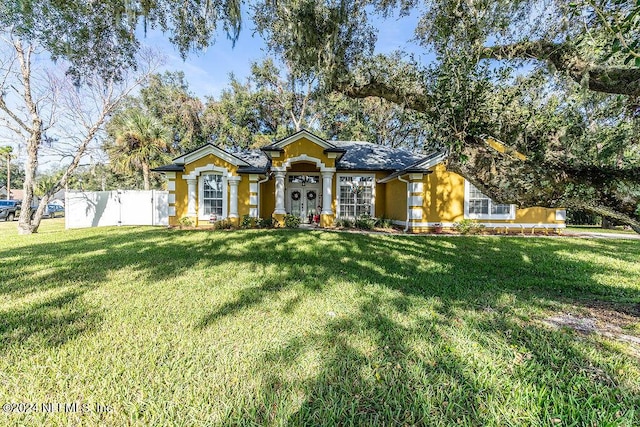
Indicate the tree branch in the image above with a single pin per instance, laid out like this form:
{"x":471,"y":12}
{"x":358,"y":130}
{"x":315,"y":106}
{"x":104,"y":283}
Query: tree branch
{"x":617,"y":80}
{"x":415,"y":101}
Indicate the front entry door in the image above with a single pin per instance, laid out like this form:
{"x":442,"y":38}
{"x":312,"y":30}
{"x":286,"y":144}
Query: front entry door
{"x":303,"y":203}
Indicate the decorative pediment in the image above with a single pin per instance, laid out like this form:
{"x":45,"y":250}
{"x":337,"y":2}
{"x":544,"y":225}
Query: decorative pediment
{"x":207,"y":149}
{"x":279,"y":145}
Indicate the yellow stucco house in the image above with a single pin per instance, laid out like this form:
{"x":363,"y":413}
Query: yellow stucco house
{"x":321,"y":180}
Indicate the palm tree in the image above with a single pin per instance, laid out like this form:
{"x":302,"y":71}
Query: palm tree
{"x":141,"y":141}
{"x":7,"y":154}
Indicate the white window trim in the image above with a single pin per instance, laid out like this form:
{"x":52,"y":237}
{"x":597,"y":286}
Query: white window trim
{"x":467,"y":215}
{"x":225,"y":198}
{"x":373,"y":191}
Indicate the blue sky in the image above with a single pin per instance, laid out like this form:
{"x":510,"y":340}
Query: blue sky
{"x":207,"y":72}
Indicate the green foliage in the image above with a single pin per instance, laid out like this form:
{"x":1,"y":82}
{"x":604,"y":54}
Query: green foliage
{"x":223,"y":224}
{"x":167,"y":98}
{"x":577,"y":217}
{"x":46,"y":183}
{"x":102,"y":36}
{"x":17,"y":175}
{"x":365,"y":222}
{"x":317,"y":37}
{"x":140,"y":142}
{"x":267,"y":106}
{"x":383,"y":222}
{"x":291,"y":221}
{"x":264,"y":222}
{"x":271,"y":105}
{"x":373,"y":120}
{"x":248,"y":221}
{"x":186,"y":221}
{"x":344,"y":223}
{"x":467,"y":226}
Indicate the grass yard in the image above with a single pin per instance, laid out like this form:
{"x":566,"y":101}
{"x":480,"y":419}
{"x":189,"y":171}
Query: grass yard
{"x":289,"y":327}
{"x":596,"y":229}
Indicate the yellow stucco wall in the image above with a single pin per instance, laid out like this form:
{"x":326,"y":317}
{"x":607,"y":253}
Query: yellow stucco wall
{"x":443,"y":196}
{"x":267,"y":198}
{"x":182,"y":192}
{"x":381,"y":196}
{"x":395,"y":202}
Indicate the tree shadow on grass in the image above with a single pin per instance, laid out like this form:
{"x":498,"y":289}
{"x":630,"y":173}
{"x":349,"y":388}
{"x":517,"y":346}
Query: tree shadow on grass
{"x":504,"y":372}
{"x":51,"y":322}
{"x":420,"y":371}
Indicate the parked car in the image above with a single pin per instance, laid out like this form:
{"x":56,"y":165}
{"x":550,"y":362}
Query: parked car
{"x":53,"y":211}
{"x":9,"y":209}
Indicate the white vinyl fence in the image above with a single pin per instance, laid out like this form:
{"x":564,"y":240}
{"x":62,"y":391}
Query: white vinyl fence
{"x":122,"y":207}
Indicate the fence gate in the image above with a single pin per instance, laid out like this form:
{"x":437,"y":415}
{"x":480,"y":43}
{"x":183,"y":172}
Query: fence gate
{"x":122,"y":207}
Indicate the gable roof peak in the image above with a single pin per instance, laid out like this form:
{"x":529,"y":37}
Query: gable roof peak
{"x":210,"y":148}
{"x":302,"y":133}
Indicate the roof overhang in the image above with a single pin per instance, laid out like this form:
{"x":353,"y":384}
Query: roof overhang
{"x":334,"y":153}
{"x":169,"y":168}
{"x":399,"y":174}
{"x":422,"y":166}
{"x":252,"y":170}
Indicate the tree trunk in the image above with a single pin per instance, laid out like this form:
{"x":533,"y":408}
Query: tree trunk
{"x":25,"y":225}
{"x":8,"y":176}
{"x":145,"y":175}
{"x":606,"y":223}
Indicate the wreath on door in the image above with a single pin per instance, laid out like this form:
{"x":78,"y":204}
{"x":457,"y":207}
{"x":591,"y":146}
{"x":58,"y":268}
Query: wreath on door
{"x":311,"y":195}
{"x":295,"y":195}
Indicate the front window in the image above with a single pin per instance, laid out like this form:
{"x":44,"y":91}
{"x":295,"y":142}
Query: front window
{"x":212,"y":195}
{"x":479,"y":206}
{"x":355,"y":196}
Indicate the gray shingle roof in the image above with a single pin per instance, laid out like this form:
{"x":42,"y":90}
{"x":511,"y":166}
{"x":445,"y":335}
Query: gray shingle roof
{"x":254,"y":157}
{"x":359,"y":155}
{"x":362,"y":155}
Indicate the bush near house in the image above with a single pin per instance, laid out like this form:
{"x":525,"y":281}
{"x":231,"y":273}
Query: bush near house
{"x":291,"y":327}
{"x":291,"y":221}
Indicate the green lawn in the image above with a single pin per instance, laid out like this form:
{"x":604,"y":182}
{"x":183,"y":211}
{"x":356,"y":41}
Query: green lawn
{"x":189,"y":328}
{"x":596,"y":229}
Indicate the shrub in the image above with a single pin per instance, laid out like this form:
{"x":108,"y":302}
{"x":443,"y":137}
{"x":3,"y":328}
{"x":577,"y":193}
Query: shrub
{"x":365,"y":222}
{"x":223,"y":224}
{"x":384,"y":222}
{"x":291,"y":221}
{"x":467,"y":226}
{"x":247,"y":221}
{"x":185,"y":221}
{"x":344,"y":223}
{"x":264,"y":222}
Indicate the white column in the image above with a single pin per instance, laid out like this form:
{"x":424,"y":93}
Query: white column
{"x":280,"y":193}
{"x":191,"y":205}
{"x":234,"y":181}
{"x":327,"y":197}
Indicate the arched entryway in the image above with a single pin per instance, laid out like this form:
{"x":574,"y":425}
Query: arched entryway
{"x":304,"y":188}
